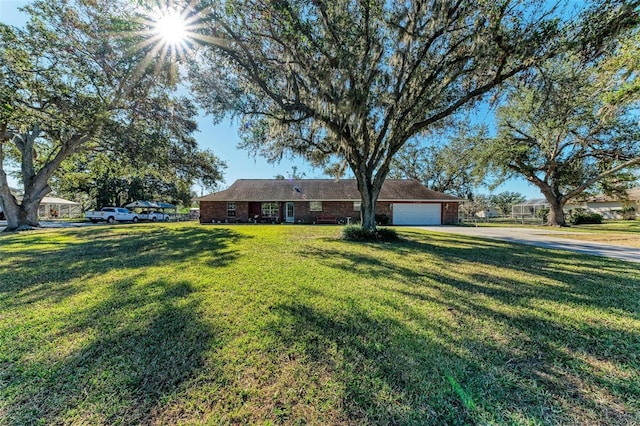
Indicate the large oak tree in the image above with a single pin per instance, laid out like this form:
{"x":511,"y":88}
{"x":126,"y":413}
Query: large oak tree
{"x":81,"y":75}
{"x":355,"y":80}
{"x":555,"y":131}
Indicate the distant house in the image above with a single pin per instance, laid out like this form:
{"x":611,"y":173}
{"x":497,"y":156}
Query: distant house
{"x":51,"y":207}
{"x":609,"y":207}
{"x":401,"y":202}
{"x":54,"y":208}
{"x":529,"y":209}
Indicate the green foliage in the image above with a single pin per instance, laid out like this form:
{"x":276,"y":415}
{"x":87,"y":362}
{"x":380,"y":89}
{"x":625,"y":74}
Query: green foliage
{"x":445,"y":163}
{"x":353,"y":82}
{"x":553,"y":132}
{"x":622,"y":72}
{"x":476,"y":204}
{"x":80,"y":81}
{"x":358,"y":233}
{"x":293,"y":174}
{"x":382,"y":219}
{"x":504,"y":201}
{"x":543,"y":214}
{"x":628,"y":212}
{"x":96,"y":179}
{"x":582,"y":217}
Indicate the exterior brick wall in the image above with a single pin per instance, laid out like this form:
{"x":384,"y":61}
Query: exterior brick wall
{"x":450,"y":213}
{"x":341,"y":210}
{"x":216,"y":211}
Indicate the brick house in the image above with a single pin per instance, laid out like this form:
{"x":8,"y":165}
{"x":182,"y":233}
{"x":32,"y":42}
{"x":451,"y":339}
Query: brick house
{"x":401,"y":202}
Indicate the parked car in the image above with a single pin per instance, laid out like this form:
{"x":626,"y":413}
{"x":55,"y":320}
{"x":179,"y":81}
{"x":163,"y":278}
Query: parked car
{"x":112,"y":214}
{"x":153,"y":216}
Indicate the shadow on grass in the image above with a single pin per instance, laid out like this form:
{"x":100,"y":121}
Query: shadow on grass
{"x":430,"y":344}
{"x":388,"y":374}
{"x":125,"y":370}
{"x":507,"y":349}
{"x":601,"y":282}
{"x":90,"y":253}
{"x":117,"y":360}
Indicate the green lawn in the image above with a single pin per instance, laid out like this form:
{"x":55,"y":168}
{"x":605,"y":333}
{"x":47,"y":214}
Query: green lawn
{"x":607,"y":226}
{"x":190,"y":324}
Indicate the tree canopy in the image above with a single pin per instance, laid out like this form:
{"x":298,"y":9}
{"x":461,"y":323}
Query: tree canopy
{"x":621,"y":72}
{"x":84,"y":75}
{"x":444,"y":163}
{"x":355,"y":80}
{"x":553,"y":132}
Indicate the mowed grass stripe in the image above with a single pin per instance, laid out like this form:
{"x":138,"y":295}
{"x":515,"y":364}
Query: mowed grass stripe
{"x":184,"y":323}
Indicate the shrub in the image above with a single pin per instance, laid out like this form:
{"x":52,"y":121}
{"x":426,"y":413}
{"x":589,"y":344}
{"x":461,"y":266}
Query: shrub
{"x":583,"y":217}
{"x":387,"y":234}
{"x":358,"y":233}
{"x":628,"y":213}
{"x":382,"y":219}
{"x":543,"y":213}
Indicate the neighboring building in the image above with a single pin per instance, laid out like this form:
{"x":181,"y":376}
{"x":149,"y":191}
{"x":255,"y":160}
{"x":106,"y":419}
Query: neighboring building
{"x":401,"y":202}
{"x":609,"y":207}
{"x":51,"y":207}
{"x":54,"y":208}
{"x":530,"y":209}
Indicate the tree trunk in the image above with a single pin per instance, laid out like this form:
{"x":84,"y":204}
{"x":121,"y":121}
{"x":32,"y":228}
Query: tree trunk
{"x":556,"y":206}
{"x":556,"y":214}
{"x":21,"y":216}
{"x":368,"y":196}
{"x":24,"y":215}
{"x":11,"y":211}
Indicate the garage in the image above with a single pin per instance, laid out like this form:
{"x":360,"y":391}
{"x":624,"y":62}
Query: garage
{"x":416,"y":214}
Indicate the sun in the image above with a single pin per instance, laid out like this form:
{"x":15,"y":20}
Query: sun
{"x":170,"y":31}
{"x":172,"y":28}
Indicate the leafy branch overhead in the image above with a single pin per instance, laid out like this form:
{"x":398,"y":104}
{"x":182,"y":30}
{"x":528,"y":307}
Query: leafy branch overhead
{"x":81,"y":75}
{"x":556,"y":131}
{"x":355,"y":80}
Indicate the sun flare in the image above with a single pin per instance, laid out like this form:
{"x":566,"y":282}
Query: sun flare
{"x":172,"y":29}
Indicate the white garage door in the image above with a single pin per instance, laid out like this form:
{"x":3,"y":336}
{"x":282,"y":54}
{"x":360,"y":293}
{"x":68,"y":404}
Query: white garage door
{"x":416,"y":214}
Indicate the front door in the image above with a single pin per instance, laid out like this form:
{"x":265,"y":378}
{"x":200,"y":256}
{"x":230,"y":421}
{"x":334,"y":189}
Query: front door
{"x":288,"y":214}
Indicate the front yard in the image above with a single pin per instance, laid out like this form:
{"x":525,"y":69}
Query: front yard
{"x":184,"y":323}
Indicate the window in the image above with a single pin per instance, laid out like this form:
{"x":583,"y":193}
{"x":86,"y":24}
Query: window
{"x":269,"y":209}
{"x":356,"y":206}
{"x":231,"y":209}
{"x":315,"y":206}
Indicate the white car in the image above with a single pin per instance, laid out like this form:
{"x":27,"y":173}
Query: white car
{"x":153,"y":216}
{"x":112,"y":214}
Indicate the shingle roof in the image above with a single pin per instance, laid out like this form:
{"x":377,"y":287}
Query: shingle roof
{"x":533,"y":202}
{"x":322,"y":190}
{"x":632,"y":195}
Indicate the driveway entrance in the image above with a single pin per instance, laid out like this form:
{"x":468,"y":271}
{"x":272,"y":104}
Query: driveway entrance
{"x":548,"y":238}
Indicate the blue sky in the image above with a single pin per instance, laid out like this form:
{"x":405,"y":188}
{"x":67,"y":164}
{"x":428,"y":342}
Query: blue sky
{"x":223,"y":139}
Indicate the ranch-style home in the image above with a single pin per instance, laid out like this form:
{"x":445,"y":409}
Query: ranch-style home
{"x":401,"y":202}
{"x":610,"y":207}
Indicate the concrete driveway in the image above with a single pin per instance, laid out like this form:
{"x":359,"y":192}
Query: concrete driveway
{"x":549,"y":238}
{"x":47,"y":224}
